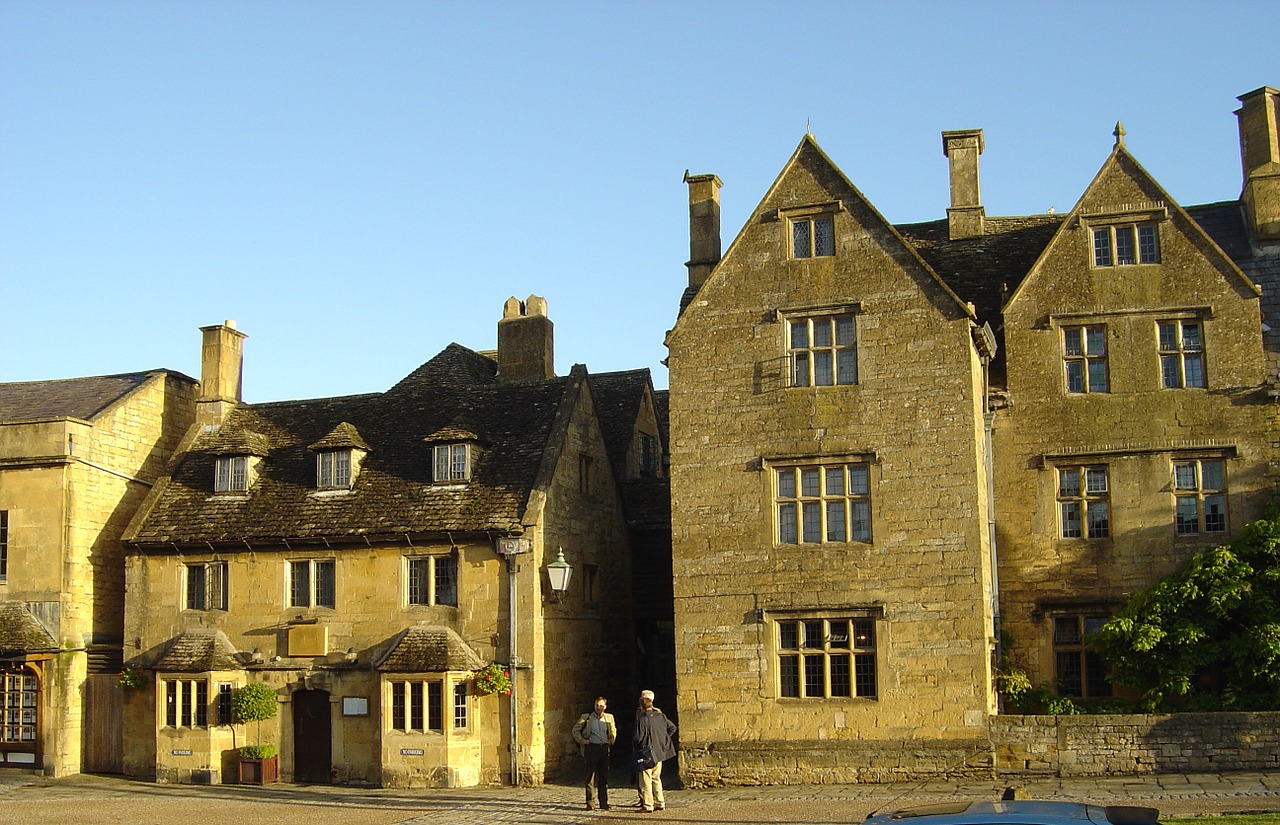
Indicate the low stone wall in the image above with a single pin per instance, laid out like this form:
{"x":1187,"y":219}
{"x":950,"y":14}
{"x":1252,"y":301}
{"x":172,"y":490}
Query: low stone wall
{"x":1136,"y":744}
{"x":831,"y":762}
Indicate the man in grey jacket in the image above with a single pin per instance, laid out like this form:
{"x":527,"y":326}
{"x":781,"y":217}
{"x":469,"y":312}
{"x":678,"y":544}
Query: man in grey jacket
{"x":595,"y":732}
{"x":653,"y":731}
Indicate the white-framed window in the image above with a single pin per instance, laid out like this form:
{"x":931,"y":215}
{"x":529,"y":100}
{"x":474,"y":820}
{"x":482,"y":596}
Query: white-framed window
{"x":826,"y":657}
{"x":231,"y":474}
{"x":19,"y":705}
{"x":823,"y":350}
{"x":1078,"y":671}
{"x":461,"y":706}
{"x":206,"y":585}
{"x":431,"y":580}
{"x":1181,"y":354}
{"x":1084,"y":355}
{"x":452,"y":463}
{"x":1084,"y":502}
{"x":186,"y":703}
{"x":1200,"y":496}
{"x":333,"y":469}
{"x":417,"y":705}
{"x":1126,"y":244}
{"x":222,"y":706}
{"x":823,"y":503}
{"x":813,"y":237}
{"x":312,"y":583}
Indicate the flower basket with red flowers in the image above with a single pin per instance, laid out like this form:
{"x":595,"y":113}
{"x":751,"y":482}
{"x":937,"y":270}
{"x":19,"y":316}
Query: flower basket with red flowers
{"x":493,"y":678}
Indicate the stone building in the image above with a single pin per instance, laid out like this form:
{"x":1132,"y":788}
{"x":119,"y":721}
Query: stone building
{"x":893,"y":446}
{"x":77,"y":457}
{"x":365,"y":556}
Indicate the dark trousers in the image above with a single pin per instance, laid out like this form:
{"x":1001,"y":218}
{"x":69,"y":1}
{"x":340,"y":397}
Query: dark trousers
{"x":597,"y":773}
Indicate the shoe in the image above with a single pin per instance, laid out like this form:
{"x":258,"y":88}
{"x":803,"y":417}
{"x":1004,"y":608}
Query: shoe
{"x":646,"y":810}
{"x":605,"y":808}
{"x":660,"y":807}
{"x":591,"y":806}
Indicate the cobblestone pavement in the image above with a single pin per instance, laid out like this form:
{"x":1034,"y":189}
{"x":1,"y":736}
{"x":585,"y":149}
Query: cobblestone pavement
{"x":108,"y":800}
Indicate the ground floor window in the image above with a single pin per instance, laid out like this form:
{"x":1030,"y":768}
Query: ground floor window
{"x":19,"y":701}
{"x":186,"y":703}
{"x":824,"y":657}
{"x":1078,"y":671}
{"x":418,"y":705}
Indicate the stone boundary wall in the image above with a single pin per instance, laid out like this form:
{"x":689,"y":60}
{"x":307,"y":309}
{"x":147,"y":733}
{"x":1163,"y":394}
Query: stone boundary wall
{"x":831,"y":762}
{"x":1136,"y":744}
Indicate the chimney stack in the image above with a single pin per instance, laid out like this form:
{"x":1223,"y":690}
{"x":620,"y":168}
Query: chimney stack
{"x":966,"y":216}
{"x":221,"y":371}
{"x":704,"y":226}
{"x":1259,"y":115}
{"x":525,"y":350}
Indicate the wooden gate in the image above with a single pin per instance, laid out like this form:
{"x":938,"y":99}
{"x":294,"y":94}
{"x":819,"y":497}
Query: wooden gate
{"x":103,"y":736}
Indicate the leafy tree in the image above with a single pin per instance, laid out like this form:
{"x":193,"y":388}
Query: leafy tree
{"x":253,"y":703}
{"x":1208,"y":636}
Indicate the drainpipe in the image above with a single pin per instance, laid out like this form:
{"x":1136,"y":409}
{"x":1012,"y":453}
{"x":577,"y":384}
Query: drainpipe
{"x":511,"y":549}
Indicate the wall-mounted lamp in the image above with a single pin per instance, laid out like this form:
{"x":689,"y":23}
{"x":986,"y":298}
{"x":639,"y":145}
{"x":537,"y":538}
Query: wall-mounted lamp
{"x":558,"y":573}
{"x":257,"y":656}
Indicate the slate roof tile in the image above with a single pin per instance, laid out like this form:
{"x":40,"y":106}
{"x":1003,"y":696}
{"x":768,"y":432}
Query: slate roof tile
{"x":429,"y":649}
{"x":81,"y":398}
{"x":199,"y":651}
{"x":20,"y":631}
{"x":393,"y":492}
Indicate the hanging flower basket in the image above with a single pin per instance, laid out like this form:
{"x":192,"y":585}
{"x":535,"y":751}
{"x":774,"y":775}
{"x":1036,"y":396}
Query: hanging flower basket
{"x":493,"y":678}
{"x":131,"y":677}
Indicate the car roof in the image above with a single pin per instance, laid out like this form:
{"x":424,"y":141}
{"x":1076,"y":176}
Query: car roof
{"x":1017,"y":812}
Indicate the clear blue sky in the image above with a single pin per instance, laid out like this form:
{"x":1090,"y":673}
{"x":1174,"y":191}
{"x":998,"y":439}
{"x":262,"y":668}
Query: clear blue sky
{"x":357,"y":184}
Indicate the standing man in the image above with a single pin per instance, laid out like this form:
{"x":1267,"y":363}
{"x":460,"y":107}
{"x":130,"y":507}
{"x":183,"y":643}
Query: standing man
{"x":594,"y":733}
{"x":653,"y":730}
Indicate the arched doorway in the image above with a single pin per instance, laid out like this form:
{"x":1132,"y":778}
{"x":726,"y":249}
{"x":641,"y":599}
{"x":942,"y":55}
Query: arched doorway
{"x":312,"y":736}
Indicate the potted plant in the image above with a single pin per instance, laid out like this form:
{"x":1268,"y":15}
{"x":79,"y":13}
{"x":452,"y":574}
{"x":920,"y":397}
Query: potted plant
{"x":493,"y":678}
{"x":253,"y":703}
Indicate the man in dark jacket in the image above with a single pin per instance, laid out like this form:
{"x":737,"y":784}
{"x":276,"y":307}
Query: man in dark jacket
{"x":653,"y":731}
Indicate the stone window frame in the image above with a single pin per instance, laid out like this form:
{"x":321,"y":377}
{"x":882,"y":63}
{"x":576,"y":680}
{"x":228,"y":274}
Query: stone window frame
{"x":4,"y":545}
{"x":416,"y":705}
{"x":1069,"y":631}
{"x":1189,"y":486}
{"x":211,"y":586}
{"x":794,"y":675}
{"x":1139,"y":223}
{"x":793,"y":499}
{"x":1174,"y":352}
{"x":1086,"y":499}
{"x":1084,"y":357}
{"x":316,"y":597}
{"x":433,"y":567}
{"x":809,"y":219}
{"x":335,"y":469}
{"x":186,"y":702}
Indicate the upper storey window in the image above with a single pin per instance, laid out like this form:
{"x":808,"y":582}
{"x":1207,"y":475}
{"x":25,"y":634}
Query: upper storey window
{"x":813,"y":237}
{"x":1181,"y":354}
{"x":338,"y":457}
{"x":333,"y":469}
{"x":1084,"y":353}
{"x":1126,"y":245}
{"x":452,"y":463}
{"x":823,"y":503}
{"x":231,"y":474}
{"x":823,"y":350}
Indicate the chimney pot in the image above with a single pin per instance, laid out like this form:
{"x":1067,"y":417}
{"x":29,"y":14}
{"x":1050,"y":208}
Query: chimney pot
{"x":704,"y":226}
{"x":525,"y":341}
{"x":1259,"y":122}
{"x":221,"y":371}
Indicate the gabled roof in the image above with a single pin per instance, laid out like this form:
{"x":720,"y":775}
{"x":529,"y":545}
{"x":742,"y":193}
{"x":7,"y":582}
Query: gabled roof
{"x":341,"y":437}
{"x":81,"y":398}
{"x":618,"y":396}
{"x":20,"y":632}
{"x":393,"y":493}
{"x":429,"y":649}
{"x":198,"y":651}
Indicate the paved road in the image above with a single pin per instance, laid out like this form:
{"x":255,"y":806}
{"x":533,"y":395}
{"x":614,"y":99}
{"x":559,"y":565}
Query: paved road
{"x":105,"y":800}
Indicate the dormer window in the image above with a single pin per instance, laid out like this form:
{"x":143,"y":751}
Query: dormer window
{"x":452,"y":463}
{"x":333,"y":469}
{"x":231,"y":474}
{"x":338,"y":457}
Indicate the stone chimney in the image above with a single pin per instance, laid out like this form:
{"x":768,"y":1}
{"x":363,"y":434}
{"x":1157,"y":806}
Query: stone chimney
{"x":966,"y":216}
{"x":704,"y":226}
{"x":221,"y":371}
{"x":1259,"y":116}
{"x":525,"y":351}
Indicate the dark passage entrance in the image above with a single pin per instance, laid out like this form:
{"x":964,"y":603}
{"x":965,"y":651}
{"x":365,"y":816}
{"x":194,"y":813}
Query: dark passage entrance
{"x":312,"y":732}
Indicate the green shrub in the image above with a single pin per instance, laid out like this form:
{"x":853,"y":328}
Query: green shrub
{"x":257,"y":751}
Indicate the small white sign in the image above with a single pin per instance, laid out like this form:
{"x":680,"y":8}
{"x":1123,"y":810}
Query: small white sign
{"x":355,"y":706}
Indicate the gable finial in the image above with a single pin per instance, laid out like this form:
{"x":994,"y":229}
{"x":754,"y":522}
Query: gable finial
{"x":808,"y":130}
{"x":1119,"y":133}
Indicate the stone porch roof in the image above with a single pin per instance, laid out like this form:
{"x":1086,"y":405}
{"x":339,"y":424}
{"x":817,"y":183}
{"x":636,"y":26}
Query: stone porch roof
{"x":199,"y":651}
{"x":20,"y":632}
{"x":429,"y":649}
